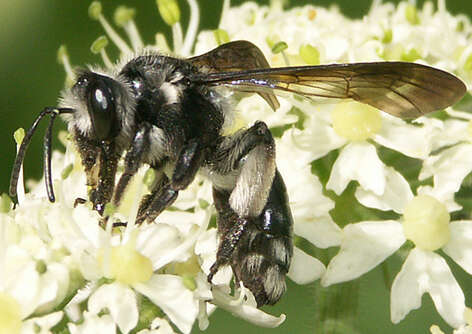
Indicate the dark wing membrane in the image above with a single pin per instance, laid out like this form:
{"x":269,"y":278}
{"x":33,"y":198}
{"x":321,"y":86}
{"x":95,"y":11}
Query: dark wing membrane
{"x":406,"y":90}
{"x":236,"y":56}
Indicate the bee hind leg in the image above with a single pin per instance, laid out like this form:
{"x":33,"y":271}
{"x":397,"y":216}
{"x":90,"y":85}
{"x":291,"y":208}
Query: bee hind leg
{"x":254,"y":218}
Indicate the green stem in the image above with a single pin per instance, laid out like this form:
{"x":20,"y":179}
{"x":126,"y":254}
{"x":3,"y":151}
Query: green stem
{"x":337,"y":308}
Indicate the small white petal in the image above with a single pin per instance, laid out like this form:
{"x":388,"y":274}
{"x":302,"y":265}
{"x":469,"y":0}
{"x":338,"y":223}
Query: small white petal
{"x":45,"y":323}
{"x":184,"y":249}
{"x":159,"y":326}
{"x":443,"y":195}
{"x":156,"y":241}
{"x":54,"y":286}
{"x":305,"y":193}
{"x":298,"y":145}
{"x":449,"y":168}
{"x":459,"y":114}
{"x":396,"y":196}
{"x":425,"y":271}
{"x":304,"y":268}
{"x":25,"y":288}
{"x":169,"y":293}
{"x":322,"y":232}
{"x":76,"y":229}
{"x":183,"y":221}
{"x":72,"y":308}
{"x":358,"y":161}
{"x":255,"y":108}
{"x":120,"y":301}
{"x":94,"y":324}
{"x":292,"y":149}
{"x":205,"y":248}
{"x":364,"y":246}
{"x":413,"y":141}
{"x":90,"y":266}
{"x":459,"y":247}
{"x":453,"y":131}
{"x":207,"y":242}
{"x":246,"y":310}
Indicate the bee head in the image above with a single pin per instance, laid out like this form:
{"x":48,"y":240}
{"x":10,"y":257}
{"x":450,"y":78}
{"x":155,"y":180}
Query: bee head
{"x":99,"y":95}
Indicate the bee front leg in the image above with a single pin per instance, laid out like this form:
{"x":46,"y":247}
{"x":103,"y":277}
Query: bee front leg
{"x":133,"y":160}
{"x":100,"y":161}
{"x":108,"y":163}
{"x":89,"y":152}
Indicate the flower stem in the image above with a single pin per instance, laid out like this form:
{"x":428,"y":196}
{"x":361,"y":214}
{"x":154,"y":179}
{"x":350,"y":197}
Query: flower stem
{"x":336,"y":312}
{"x":192,"y":28}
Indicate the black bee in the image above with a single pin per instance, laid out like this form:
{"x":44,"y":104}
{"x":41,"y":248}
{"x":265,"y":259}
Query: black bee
{"x":168,"y":113}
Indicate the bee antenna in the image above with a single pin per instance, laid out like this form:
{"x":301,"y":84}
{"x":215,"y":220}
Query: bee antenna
{"x":53,"y":112}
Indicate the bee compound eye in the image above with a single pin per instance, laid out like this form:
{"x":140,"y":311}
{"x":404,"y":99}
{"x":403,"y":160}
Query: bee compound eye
{"x":102,"y":108}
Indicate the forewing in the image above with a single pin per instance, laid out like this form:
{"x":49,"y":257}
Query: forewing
{"x":406,"y":90}
{"x":236,"y":56}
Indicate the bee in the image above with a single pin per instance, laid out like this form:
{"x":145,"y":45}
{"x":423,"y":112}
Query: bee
{"x":169,"y":113}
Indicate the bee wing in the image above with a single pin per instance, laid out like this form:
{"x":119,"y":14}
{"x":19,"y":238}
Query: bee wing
{"x":406,"y":90}
{"x":236,"y":56}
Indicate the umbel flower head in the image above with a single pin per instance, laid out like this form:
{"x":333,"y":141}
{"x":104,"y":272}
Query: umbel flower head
{"x":358,"y":179}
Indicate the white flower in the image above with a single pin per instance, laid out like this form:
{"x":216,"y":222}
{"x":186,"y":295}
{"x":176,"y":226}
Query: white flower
{"x":158,"y":326}
{"x":245,"y":307}
{"x":32,"y":280}
{"x":135,"y":262}
{"x":93,"y":324}
{"x":452,"y":164}
{"x":55,"y":252}
{"x":426,"y":224}
{"x":43,"y":324}
{"x":465,"y":329}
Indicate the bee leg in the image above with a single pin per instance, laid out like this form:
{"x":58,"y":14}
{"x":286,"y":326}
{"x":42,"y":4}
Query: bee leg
{"x":161,"y":197}
{"x":100,"y":161}
{"x":78,"y":201}
{"x":133,"y":160}
{"x":108,"y":160}
{"x":165,"y":191}
{"x":89,"y":153}
{"x":189,"y":162}
{"x":254,"y":218}
{"x":244,"y":165}
{"x":230,"y":229}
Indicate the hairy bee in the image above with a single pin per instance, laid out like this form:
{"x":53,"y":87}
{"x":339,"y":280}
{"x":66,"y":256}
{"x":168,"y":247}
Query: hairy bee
{"x":166,"y":112}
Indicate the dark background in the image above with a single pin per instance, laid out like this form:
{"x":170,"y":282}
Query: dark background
{"x":31,"y":33}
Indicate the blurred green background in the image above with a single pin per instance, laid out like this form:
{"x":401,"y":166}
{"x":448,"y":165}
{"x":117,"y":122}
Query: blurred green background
{"x":31,"y":79}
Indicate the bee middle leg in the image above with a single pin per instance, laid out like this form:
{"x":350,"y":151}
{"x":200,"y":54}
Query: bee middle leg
{"x":164,"y":191}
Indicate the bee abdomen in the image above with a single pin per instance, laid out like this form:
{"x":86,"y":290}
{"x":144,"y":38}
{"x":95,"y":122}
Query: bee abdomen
{"x":261,"y":262}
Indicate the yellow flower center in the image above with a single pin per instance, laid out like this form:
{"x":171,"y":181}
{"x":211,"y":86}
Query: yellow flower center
{"x":426,"y":223}
{"x":128,"y":266}
{"x":188,"y":271}
{"x":355,"y":121}
{"x":10,"y":315}
{"x":468,"y":316}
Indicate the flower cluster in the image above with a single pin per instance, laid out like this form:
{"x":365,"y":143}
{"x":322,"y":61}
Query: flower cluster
{"x":358,"y":179}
